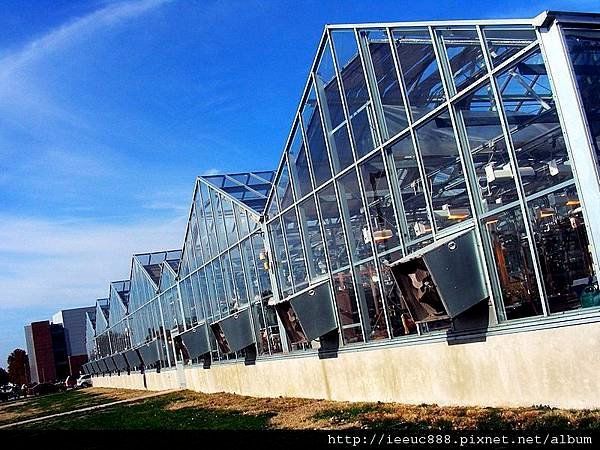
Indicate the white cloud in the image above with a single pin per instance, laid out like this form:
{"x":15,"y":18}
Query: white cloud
{"x":22,"y":102}
{"x":70,"y":263}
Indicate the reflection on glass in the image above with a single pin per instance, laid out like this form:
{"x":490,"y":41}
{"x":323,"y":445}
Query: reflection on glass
{"x":280,"y":257}
{"x":441,"y":158}
{"x":488,"y":148}
{"x":355,"y":91}
{"x":284,"y":187}
{"x":464,"y":55}
{"x":294,"y":244}
{"x":371,"y":302}
{"x":313,"y":238}
{"x":329,"y":92}
{"x":318,"y":151}
{"x":505,"y":42}
{"x":584,"y":48}
{"x":332,"y":225}
{"x":353,"y":211}
{"x":345,"y":298}
{"x":419,"y":69}
{"x":230,"y":223}
{"x":341,"y":150}
{"x":299,"y":164}
{"x":414,"y":206}
{"x":384,"y":227}
{"x":535,"y":130}
{"x":563,"y":248}
{"x":380,"y":57}
{"x":514,"y":267}
{"x":239,"y":280}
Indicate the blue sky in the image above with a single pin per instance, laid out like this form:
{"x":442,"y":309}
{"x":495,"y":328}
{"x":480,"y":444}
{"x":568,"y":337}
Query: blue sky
{"x":109,"y":110}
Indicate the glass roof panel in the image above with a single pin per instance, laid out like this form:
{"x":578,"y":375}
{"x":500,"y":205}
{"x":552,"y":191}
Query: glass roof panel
{"x":249,"y":188}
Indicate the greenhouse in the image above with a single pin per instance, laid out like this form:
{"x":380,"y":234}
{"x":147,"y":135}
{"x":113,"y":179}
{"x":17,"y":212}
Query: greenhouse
{"x":438,"y":199}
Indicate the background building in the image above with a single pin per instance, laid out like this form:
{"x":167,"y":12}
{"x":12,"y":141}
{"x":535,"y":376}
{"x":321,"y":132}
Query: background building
{"x":431,"y":232}
{"x":57,"y":349}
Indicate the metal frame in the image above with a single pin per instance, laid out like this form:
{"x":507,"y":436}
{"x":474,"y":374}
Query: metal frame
{"x":586,"y":174}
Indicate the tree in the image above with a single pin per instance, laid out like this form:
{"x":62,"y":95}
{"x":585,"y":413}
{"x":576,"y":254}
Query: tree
{"x":18,"y":367}
{"x":3,"y":376}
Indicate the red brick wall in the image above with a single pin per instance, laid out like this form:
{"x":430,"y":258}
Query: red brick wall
{"x":44,"y":356}
{"x":75,"y":363}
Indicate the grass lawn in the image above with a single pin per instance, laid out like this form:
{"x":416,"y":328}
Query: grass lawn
{"x":191,"y":410}
{"x":29,"y":408}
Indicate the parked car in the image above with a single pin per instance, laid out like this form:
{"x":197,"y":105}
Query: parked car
{"x":70,"y":382}
{"x":84,"y":381}
{"x":45,"y":388}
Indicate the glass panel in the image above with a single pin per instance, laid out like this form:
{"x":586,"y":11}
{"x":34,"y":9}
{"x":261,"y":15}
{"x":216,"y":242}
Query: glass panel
{"x":294,"y":244}
{"x":505,"y":42}
{"x":314,"y":240}
{"x":563,"y":248}
{"x":219,"y":222}
{"x":242,"y":220}
{"x":514,"y":267}
{"x":440,"y":155}
{"x":280,"y":257}
{"x":584,"y":48}
{"x":380,"y":54}
{"x":345,"y":298}
{"x":355,"y":91}
{"x":284,"y":187}
{"x":228,"y":281}
{"x":329,"y":92}
{"x":341,"y":151}
{"x":353,"y":211}
{"x":370,"y":297}
{"x":319,"y":157}
{"x":332,"y":225}
{"x":379,"y":204}
{"x":230,"y":223}
{"x":222,"y":299}
{"x":536,"y":134}
{"x":251,"y":275}
{"x":419,"y":69}
{"x":239,"y":277}
{"x":464,"y":55}
{"x":210,"y":219}
{"x":299,"y":165}
{"x":411,"y":187}
{"x":258,"y":246}
{"x":488,"y":148}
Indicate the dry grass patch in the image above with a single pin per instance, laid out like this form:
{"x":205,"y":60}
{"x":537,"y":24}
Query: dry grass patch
{"x":300,"y":413}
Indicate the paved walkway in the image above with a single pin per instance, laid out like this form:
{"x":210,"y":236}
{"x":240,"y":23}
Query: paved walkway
{"x":89,"y":408}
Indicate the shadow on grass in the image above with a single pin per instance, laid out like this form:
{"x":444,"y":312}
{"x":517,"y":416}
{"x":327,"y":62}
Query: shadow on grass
{"x":153,"y":414}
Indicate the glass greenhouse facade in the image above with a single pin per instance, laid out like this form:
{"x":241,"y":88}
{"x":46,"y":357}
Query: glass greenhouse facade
{"x":408,"y":136}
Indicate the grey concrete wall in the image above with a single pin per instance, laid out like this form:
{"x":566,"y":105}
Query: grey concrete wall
{"x":558,"y":367}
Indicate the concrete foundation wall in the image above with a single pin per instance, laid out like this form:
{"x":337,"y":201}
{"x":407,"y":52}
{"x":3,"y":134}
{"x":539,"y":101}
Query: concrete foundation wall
{"x":558,"y":367}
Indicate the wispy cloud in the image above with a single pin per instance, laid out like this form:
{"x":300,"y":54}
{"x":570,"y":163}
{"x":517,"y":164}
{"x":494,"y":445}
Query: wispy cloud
{"x":19,"y":95}
{"x":69,"y":263}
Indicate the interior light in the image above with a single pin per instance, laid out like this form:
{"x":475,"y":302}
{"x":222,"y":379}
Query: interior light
{"x":382,"y":235}
{"x":453,"y":213}
{"x":545,"y":212}
{"x":573,"y":202}
{"x":491,"y":221}
{"x":421,"y":228}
